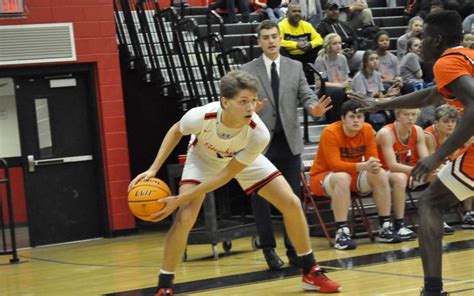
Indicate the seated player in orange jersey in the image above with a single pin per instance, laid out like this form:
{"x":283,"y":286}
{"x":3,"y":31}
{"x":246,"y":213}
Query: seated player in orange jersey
{"x":346,"y":162}
{"x":400,"y":145}
{"x":446,"y":118}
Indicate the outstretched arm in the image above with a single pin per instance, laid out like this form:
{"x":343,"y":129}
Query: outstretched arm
{"x":412,"y":100}
{"x":172,"y":138}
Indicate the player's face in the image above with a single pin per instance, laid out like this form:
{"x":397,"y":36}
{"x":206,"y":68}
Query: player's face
{"x":430,"y":46}
{"x":239,"y":109}
{"x":270,"y":42}
{"x":353,"y":122}
{"x":407,"y":118}
{"x":446,"y":125}
{"x":383,"y":42}
{"x":335,"y":45}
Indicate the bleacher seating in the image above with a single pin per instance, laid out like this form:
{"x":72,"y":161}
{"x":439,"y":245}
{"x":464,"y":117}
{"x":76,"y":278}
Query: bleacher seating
{"x":191,"y":49}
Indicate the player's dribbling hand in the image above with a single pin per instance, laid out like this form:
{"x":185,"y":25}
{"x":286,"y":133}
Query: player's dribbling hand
{"x":143,"y":176}
{"x":172,"y":203}
{"x":321,"y":107}
{"x":369,"y":104}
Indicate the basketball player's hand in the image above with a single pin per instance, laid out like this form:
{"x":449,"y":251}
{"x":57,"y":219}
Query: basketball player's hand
{"x":425,"y":167}
{"x":369,"y":104}
{"x":143,"y":176}
{"x":260,"y":105}
{"x":172,"y":203}
{"x":373,"y":165}
{"x":321,"y":107}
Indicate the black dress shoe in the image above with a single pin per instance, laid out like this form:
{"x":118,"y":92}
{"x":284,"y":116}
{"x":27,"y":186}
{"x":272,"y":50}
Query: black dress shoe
{"x":274,"y":262}
{"x":293,"y":259}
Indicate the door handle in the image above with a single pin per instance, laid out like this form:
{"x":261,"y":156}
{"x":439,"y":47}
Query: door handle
{"x":32,"y":163}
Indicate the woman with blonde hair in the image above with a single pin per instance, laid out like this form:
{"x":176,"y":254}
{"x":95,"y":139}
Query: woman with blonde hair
{"x":333,"y":67}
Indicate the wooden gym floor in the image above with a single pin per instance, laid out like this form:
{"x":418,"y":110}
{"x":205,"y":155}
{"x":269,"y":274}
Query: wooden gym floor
{"x":129,"y":266}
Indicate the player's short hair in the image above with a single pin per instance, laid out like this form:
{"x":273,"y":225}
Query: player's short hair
{"x":448,"y":24}
{"x":235,"y":81}
{"x":267,"y":25}
{"x":446,"y":112}
{"x":400,"y":111}
{"x":350,"y":106}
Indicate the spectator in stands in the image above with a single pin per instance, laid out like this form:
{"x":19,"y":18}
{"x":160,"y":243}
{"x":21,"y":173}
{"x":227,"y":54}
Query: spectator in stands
{"x":285,"y":93}
{"x":356,"y":12}
{"x":272,"y":8}
{"x":445,"y":120}
{"x":468,"y":40}
{"x":388,"y":64}
{"x":410,"y":65}
{"x":312,"y":11}
{"x":468,"y":24}
{"x":400,"y":145}
{"x":368,"y":81}
{"x":415,"y":29}
{"x":228,"y":6}
{"x":300,"y":40}
{"x":332,"y":64}
{"x":346,"y":162}
{"x":350,"y":44}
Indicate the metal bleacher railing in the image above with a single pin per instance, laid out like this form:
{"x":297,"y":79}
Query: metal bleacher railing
{"x":7,"y":249}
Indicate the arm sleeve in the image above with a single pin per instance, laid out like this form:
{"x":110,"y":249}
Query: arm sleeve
{"x":192,"y":121}
{"x":396,"y":64}
{"x":319,"y":65}
{"x":370,"y":140}
{"x":255,"y":147}
{"x":412,"y":63}
{"x":287,"y":44}
{"x":329,"y":142}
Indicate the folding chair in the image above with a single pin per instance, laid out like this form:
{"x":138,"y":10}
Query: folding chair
{"x":315,"y":208}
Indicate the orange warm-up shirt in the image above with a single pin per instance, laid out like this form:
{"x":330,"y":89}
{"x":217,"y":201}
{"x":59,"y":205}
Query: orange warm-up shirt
{"x":405,"y":153}
{"x":340,"y":153}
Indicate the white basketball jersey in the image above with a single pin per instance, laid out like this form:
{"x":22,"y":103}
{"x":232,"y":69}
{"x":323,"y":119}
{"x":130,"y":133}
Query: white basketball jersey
{"x":246,"y":145}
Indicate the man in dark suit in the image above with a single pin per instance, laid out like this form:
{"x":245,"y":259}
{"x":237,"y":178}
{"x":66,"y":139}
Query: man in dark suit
{"x":283,"y":87}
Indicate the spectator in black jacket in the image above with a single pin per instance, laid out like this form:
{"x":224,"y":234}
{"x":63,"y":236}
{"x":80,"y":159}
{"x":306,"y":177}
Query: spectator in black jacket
{"x":350,"y":44}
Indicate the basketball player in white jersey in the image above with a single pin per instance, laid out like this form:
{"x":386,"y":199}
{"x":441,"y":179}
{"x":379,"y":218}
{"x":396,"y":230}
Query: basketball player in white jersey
{"x":227,"y":139}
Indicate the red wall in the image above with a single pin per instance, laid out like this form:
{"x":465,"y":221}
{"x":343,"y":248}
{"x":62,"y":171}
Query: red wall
{"x":94,"y":32}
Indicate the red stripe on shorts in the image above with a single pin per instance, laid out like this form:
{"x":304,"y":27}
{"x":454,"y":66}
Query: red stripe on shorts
{"x":255,"y":187}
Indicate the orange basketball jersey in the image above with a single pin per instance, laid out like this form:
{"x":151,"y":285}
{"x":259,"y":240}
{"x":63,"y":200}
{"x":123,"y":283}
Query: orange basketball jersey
{"x":454,"y":63}
{"x":405,"y":153}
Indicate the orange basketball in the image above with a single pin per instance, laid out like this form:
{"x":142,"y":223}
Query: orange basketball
{"x":143,"y":199}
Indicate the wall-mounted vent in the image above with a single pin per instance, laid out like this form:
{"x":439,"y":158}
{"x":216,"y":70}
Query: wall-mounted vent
{"x":41,"y":43}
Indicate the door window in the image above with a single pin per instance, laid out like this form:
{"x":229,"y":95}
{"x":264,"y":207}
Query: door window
{"x":44,"y":127}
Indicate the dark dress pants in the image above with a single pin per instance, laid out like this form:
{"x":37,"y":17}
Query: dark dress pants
{"x":280,"y":155}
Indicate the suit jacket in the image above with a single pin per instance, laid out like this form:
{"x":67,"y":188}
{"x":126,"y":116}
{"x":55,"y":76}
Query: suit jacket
{"x":294,"y":90}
